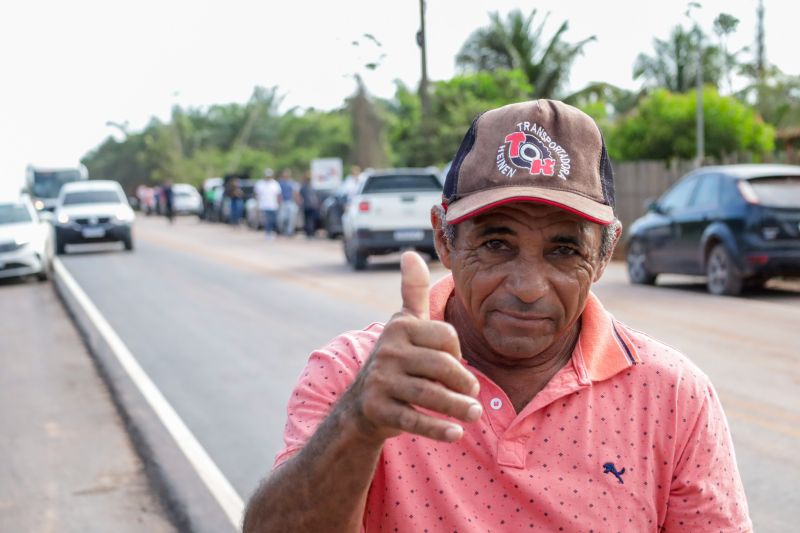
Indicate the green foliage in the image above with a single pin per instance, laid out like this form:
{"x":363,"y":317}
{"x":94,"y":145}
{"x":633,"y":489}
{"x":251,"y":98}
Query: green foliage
{"x":663,"y":127}
{"x":673,"y":65}
{"x":515,"y":43}
{"x":454,"y":104}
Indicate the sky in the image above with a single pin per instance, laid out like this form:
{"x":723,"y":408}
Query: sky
{"x":67,"y":69}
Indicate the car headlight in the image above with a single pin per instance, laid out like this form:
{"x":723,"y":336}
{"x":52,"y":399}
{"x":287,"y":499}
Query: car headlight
{"x":125,"y":217}
{"x":39,"y":205}
{"x":63,"y":218}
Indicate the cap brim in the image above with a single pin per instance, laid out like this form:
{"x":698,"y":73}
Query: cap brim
{"x":482,"y":201}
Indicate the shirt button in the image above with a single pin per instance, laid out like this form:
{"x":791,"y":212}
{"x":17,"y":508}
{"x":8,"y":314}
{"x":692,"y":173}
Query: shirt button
{"x":496,"y":403}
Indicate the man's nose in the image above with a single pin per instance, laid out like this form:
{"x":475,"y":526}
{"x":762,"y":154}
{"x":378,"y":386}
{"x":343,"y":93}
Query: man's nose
{"x":528,"y":281}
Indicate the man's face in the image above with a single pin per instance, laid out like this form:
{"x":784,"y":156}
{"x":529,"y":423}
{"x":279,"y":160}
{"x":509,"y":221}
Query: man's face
{"x":522,"y":273}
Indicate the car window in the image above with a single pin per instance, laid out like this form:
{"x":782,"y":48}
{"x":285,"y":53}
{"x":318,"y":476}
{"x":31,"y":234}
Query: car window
{"x":92,"y":197}
{"x":14,"y":214}
{"x":783,"y":191}
{"x":707,"y":193}
{"x":402,"y":183}
{"x":678,"y":196}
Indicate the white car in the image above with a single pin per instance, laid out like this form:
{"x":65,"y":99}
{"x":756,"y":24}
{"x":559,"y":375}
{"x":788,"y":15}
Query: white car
{"x":93,"y":211}
{"x":186,"y":200}
{"x":391,"y":211}
{"x":26,"y":242}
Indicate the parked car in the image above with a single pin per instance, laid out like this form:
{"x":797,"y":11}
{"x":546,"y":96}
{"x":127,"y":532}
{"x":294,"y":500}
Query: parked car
{"x":186,"y":200}
{"x":26,"y":242}
{"x":390,"y":212}
{"x":739,"y":225}
{"x":93,"y":211}
{"x":331,"y":210}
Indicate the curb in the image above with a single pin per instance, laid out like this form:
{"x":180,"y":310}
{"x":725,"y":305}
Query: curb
{"x":191,"y":506}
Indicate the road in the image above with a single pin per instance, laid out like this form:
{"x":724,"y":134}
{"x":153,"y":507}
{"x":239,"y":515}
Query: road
{"x":222,"y":320}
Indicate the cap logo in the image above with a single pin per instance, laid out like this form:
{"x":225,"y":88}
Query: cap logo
{"x":531,"y":148}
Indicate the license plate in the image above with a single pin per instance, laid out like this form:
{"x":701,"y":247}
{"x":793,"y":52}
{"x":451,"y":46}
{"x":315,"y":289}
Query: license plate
{"x":93,"y":233}
{"x":412,"y":235}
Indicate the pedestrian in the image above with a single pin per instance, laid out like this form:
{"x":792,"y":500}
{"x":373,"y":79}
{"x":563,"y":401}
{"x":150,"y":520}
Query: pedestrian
{"x":268,"y":195}
{"x":310,"y":201}
{"x":169,"y":201}
{"x":351,"y":182}
{"x":505,"y":397}
{"x":236,"y":195}
{"x":287,"y":212}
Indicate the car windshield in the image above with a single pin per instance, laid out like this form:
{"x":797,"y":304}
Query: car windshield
{"x":47,"y":184}
{"x":14,"y":214}
{"x":91,"y":197}
{"x":783,"y":191}
{"x":402,"y":183}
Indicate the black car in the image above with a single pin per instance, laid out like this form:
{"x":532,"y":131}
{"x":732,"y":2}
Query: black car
{"x":738,"y":225}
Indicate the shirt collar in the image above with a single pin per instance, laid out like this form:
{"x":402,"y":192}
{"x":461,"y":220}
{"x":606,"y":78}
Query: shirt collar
{"x":604,"y":348}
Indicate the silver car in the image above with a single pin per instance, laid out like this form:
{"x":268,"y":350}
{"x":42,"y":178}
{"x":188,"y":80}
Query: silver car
{"x":26,"y":242}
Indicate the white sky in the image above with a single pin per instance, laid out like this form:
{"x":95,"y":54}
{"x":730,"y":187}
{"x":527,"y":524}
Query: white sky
{"x":66,"y":68}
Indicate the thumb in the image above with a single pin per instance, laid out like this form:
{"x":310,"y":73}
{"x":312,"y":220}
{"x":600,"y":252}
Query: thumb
{"x":414,"y":281}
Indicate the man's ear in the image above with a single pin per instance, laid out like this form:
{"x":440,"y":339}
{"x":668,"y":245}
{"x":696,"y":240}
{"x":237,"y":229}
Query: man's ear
{"x":604,"y":263}
{"x":439,"y":239}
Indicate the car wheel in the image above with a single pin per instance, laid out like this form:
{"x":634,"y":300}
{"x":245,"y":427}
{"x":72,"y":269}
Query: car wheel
{"x":44,"y":274}
{"x":355,"y":258}
{"x":329,"y":224}
{"x":128,"y":243}
{"x":61,"y":248}
{"x":637,"y":265}
{"x":723,"y":276}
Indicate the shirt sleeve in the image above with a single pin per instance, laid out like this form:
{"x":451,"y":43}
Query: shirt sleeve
{"x":706,"y":493}
{"x":327,"y":375}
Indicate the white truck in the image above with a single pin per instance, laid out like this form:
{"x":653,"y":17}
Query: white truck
{"x":391,"y":212}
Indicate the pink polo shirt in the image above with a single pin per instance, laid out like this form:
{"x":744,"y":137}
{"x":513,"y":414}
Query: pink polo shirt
{"x":628,"y":436}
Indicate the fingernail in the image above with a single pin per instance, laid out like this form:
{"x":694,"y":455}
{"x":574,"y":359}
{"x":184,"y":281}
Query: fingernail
{"x":453,"y":433}
{"x":474,"y":412}
{"x":475,"y":389}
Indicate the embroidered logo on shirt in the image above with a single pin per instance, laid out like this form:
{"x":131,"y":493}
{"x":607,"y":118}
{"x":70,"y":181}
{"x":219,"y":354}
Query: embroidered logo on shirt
{"x":609,"y":468}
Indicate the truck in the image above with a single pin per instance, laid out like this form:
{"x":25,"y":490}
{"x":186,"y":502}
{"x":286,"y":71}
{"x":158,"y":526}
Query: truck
{"x":44,"y":183}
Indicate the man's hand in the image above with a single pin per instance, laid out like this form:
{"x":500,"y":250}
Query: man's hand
{"x":416,"y":364}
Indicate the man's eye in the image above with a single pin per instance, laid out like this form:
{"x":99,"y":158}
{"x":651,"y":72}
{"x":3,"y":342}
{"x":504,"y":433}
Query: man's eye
{"x":495,"y":244}
{"x":565,"y":250}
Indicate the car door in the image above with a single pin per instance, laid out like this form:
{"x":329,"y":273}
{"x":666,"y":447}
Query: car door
{"x":662,"y":236}
{"x":690,"y":223}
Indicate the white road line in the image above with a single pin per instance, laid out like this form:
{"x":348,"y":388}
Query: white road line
{"x":209,"y":472}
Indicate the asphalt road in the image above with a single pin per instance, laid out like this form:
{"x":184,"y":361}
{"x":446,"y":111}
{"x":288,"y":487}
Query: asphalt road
{"x":222,"y":320}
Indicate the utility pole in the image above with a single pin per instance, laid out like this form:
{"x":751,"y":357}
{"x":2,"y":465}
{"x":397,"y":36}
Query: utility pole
{"x":761,"y":66}
{"x":699,"y":126}
{"x":423,"y":83}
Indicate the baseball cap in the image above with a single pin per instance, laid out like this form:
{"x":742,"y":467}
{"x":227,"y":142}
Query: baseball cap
{"x":541,"y":151}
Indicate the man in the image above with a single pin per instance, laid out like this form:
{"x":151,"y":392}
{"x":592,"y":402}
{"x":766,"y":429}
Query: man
{"x":506,"y":398}
{"x":169,"y":201}
{"x":287,"y":212}
{"x":236,"y":195}
{"x":351,"y":182}
{"x":268,"y":195}
{"x":310,"y":200}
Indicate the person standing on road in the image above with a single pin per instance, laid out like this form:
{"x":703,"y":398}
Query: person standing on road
{"x":268,"y":195}
{"x":287,"y":212}
{"x":236,"y":196}
{"x":310,"y":201}
{"x":169,"y":201}
{"x":351,"y":182}
{"x":505,"y":397}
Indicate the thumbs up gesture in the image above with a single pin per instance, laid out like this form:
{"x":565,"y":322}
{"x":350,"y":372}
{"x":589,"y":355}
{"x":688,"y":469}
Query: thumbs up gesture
{"x":416,"y":364}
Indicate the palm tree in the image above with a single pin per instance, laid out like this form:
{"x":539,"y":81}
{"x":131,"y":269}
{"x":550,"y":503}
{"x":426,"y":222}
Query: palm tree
{"x":673,"y":66}
{"x":514,"y":43}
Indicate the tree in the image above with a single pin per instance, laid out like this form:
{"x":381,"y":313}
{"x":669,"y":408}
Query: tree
{"x":724,"y":26}
{"x":662,"y":127}
{"x":673,"y":65}
{"x":454,"y":105}
{"x":514,"y":43}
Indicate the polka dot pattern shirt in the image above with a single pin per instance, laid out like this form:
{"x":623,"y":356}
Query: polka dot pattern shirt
{"x":628,"y":436}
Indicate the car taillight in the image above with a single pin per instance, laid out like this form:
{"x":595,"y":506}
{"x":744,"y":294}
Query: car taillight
{"x":363,"y":206}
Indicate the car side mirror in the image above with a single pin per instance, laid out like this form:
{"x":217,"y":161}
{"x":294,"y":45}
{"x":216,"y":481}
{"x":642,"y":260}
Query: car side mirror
{"x":652,"y":206}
